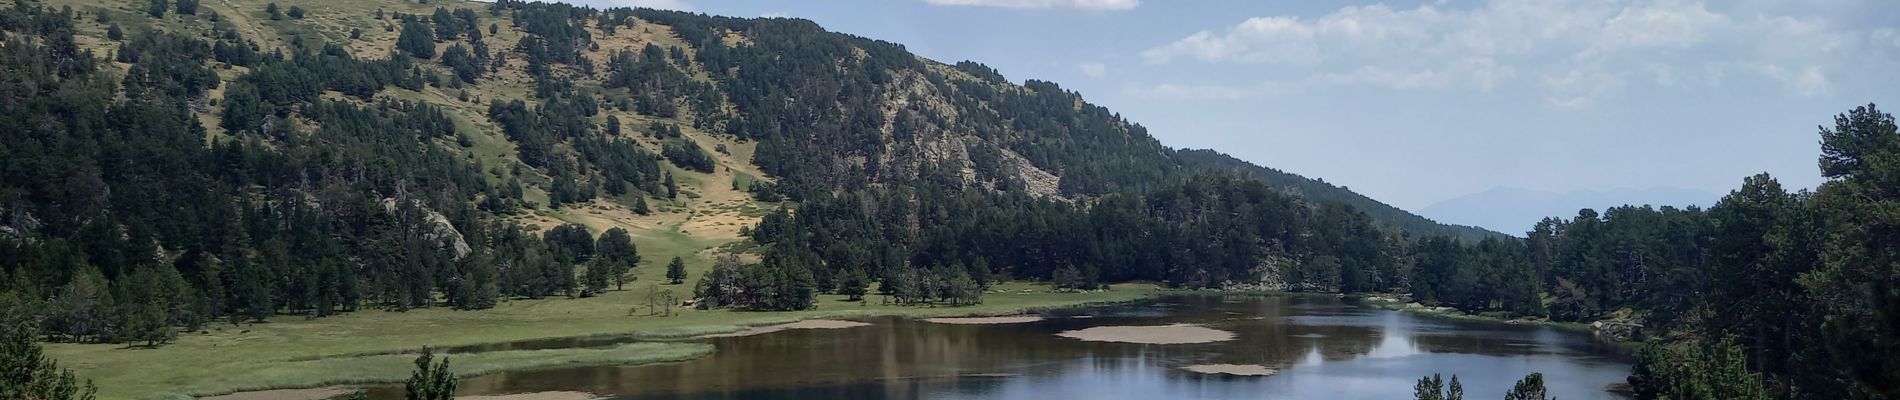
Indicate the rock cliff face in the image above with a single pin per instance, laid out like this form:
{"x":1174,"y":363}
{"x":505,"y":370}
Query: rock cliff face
{"x":436,"y":227}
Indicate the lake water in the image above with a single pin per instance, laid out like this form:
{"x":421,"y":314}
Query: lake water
{"x":1324,"y":347}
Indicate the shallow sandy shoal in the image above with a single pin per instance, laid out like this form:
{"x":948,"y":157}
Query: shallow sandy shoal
{"x":1162,"y":334}
{"x":286,"y":394}
{"x":535,"y":396}
{"x":1231,"y":369}
{"x":1011,"y":319}
{"x":806,"y":324}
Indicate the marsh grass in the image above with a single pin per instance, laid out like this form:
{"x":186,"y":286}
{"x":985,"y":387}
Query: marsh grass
{"x":293,"y":352}
{"x":388,"y":368}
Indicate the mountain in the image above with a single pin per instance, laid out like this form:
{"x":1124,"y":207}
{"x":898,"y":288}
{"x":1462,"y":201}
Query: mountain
{"x":246,"y":158}
{"x":1511,"y":209}
{"x":1319,"y":190}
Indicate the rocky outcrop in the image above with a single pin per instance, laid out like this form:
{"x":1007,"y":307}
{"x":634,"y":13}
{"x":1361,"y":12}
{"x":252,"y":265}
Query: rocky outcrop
{"x":1621,"y":331}
{"x":437,"y":227}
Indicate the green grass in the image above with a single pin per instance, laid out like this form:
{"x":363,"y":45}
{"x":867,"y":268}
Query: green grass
{"x":280,"y":353}
{"x":390,"y":368}
{"x":742,"y":181}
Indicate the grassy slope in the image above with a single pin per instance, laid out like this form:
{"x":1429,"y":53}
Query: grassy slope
{"x":278,"y":354}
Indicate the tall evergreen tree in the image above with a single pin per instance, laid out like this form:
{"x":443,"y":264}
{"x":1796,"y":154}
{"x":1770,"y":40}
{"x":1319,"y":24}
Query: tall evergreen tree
{"x":676,"y":270}
{"x":416,"y":39}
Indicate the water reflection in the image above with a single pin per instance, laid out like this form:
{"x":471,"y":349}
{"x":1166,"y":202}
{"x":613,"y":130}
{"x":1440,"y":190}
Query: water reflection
{"x":1325,"y":349}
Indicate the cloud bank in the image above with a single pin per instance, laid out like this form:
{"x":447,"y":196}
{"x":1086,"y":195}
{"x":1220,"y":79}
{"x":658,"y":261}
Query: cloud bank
{"x":1574,"y":52}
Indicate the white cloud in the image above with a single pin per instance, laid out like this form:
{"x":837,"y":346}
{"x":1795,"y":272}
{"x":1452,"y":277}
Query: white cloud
{"x":1076,"y":4}
{"x":1208,"y":91}
{"x":1886,"y":36}
{"x":1664,"y":24}
{"x":1578,"y":87}
{"x":1094,"y":70}
{"x":1481,"y":73}
{"x":1806,"y":80}
{"x":1579,"y":50}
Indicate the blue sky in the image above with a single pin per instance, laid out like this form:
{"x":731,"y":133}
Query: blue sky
{"x":1413,"y":102}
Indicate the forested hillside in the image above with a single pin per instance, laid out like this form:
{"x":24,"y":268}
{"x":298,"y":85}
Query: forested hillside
{"x":169,"y":164}
{"x":286,"y":159}
{"x":1320,"y":191}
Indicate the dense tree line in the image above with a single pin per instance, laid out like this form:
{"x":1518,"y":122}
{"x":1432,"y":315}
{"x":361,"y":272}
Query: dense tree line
{"x":1208,"y":231}
{"x":687,"y":154}
{"x":782,"y":282}
{"x":1766,"y":294}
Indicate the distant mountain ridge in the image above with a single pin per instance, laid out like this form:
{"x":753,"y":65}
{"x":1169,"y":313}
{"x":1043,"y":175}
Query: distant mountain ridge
{"x":1514,"y":209}
{"x":1317,"y":190}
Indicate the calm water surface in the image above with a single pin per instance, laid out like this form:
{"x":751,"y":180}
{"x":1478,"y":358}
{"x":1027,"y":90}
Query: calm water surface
{"x":1326,"y":348}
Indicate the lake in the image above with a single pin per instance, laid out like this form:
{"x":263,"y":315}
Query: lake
{"x":1322,"y":346}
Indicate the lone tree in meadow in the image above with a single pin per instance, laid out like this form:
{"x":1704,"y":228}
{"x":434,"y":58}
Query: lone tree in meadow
{"x":676,"y":271}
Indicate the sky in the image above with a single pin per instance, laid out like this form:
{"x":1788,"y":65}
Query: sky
{"x":1414,"y":102}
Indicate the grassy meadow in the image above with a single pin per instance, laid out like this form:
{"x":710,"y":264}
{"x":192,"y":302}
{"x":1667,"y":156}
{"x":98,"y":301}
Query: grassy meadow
{"x":292,"y":352}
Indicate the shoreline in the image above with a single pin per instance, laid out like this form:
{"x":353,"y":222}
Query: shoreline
{"x":292,"y":353}
{"x":1397,"y":302}
{"x":1386,"y":302}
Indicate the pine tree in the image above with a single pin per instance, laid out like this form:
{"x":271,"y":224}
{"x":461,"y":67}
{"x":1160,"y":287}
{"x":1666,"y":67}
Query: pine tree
{"x":1529,"y":388}
{"x":672,"y":189}
{"x":25,"y":372}
{"x":676,"y":270}
{"x":1429,"y":388}
{"x":431,"y":380}
{"x":853,"y":284}
{"x":596,"y":278}
{"x":616,"y":249}
{"x":416,"y":39}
